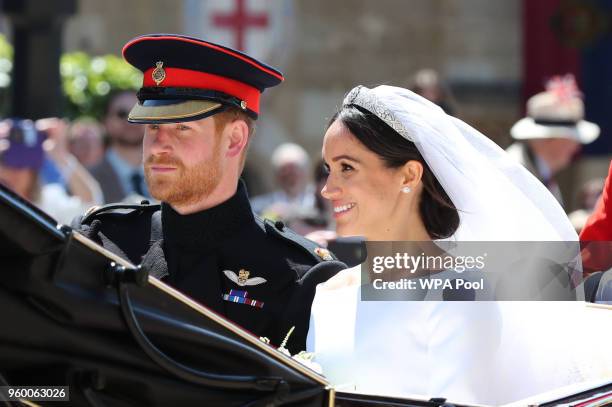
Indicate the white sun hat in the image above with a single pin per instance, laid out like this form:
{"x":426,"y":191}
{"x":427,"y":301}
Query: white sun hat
{"x":557,"y":112}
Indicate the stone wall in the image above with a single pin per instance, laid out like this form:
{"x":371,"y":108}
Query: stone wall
{"x":103,"y":27}
{"x":475,"y":44}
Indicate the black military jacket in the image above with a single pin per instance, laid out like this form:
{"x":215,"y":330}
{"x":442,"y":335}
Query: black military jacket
{"x":256,"y":273}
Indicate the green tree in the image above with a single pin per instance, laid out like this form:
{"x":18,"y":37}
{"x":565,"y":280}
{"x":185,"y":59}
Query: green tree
{"x":87,"y":82}
{"x":6,"y":65}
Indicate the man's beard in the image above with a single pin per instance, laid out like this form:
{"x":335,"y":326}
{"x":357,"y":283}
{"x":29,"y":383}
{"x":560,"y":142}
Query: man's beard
{"x":185,"y":185}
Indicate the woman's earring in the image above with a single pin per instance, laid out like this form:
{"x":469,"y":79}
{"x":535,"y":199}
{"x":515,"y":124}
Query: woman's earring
{"x":406,"y":190}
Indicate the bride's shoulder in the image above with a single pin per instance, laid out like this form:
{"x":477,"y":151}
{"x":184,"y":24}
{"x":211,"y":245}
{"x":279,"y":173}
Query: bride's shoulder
{"x":345,"y":278}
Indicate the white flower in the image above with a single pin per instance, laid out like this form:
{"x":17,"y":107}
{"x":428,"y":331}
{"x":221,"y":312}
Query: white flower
{"x":306,"y":358}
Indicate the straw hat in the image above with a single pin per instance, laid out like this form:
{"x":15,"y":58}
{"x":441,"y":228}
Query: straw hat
{"x":557,"y":112}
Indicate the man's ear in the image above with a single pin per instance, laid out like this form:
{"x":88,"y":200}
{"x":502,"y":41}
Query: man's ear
{"x":238,"y":137}
{"x":411,"y":174}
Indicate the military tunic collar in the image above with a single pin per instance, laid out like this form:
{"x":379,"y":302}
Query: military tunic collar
{"x":207,"y":229}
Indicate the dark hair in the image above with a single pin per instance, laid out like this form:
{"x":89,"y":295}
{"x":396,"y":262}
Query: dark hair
{"x":230,"y":114}
{"x":114,"y":95}
{"x":440,"y":216}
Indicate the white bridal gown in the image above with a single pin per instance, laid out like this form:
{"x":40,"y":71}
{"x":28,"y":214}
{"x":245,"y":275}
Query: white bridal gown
{"x":474,"y":352}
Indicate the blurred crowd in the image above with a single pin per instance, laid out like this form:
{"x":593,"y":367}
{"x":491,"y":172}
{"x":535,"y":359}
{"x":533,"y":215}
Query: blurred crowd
{"x":67,"y":167}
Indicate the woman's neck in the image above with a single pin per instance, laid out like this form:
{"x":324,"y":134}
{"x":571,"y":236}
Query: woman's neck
{"x":399,"y":231}
{"x":404,"y":223}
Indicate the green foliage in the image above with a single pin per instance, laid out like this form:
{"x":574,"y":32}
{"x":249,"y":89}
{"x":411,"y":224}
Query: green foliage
{"x":6,"y":65}
{"x":86,"y":81}
{"x":6,"y":62}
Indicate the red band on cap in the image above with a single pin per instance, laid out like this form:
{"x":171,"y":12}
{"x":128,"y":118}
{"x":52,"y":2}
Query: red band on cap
{"x":185,"y":78}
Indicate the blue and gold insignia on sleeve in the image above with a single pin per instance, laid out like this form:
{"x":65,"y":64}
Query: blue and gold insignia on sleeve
{"x":241,"y":297}
{"x":323,"y":253}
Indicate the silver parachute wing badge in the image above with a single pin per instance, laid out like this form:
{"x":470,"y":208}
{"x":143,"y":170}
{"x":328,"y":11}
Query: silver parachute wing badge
{"x":242,"y":278}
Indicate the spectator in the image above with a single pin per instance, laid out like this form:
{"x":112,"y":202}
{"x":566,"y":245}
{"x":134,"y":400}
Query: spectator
{"x":295,"y":195}
{"x":596,"y":236}
{"x":120,"y":173}
{"x":589,"y":193}
{"x":427,"y":83}
{"x":321,"y":216}
{"x":323,"y":206}
{"x":21,"y":159}
{"x":85,"y":142}
{"x":553,"y":131}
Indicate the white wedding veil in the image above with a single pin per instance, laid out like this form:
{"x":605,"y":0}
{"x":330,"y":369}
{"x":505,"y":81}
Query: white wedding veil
{"x":497,"y":199}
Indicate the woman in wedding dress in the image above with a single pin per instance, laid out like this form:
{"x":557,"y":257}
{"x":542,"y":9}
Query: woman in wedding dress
{"x":400,"y":169}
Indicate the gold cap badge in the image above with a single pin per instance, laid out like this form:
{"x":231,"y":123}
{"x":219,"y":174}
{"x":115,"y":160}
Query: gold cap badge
{"x":243,"y":105}
{"x":158,"y":74}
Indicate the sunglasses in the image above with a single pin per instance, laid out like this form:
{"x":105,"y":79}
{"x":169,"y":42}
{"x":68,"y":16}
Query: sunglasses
{"x":122,"y":113}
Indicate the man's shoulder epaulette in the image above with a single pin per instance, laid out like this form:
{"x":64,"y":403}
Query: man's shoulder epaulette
{"x":280,"y":230}
{"x":118,"y":209}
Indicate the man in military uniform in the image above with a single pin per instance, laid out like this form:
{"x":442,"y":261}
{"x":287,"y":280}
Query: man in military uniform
{"x":198,"y":103}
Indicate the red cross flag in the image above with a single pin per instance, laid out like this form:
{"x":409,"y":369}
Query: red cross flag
{"x":239,"y":20}
{"x":260,"y":28}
